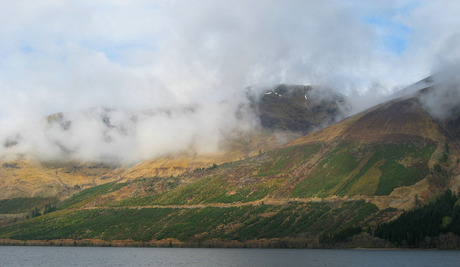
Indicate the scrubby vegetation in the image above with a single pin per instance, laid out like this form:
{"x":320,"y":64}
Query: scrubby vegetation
{"x":355,"y":169}
{"x":284,"y":160}
{"x":341,"y":236}
{"x":348,"y":168}
{"x":295,"y":220}
{"x":206,"y":190}
{"x":89,"y":194}
{"x":26,"y":205}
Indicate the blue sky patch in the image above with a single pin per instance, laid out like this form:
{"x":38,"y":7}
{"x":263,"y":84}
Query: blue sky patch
{"x":392,"y":35}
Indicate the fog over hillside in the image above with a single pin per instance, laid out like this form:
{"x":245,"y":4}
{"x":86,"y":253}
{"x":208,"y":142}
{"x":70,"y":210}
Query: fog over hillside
{"x":127,"y":136}
{"x":444,"y":102}
{"x":138,"y":79}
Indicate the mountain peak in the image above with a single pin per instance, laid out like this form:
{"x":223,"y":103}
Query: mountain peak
{"x":299,"y":108}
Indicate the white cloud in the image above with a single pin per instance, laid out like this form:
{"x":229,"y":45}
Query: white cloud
{"x":72,"y":56}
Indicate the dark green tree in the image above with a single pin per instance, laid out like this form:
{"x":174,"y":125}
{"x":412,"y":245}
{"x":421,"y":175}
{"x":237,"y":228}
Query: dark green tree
{"x":35,"y":213}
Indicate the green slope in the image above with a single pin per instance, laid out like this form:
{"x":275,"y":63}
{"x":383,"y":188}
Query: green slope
{"x":315,"y":170}
{"x":25,"y":205}
{"x":346,"y":169}
{"x":295,"y":221}
{"x":310,"y":190}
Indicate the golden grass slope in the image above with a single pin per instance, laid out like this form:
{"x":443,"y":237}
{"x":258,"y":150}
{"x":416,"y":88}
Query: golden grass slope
{"x":28,"y":178}
{"x":237,"y":147}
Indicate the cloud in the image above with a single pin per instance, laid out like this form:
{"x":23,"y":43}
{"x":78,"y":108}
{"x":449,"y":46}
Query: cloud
{"x":443,"y":101}
{"x":79,"y":57}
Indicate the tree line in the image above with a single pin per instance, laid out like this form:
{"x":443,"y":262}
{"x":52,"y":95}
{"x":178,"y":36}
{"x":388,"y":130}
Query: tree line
{"x":418,"y":227}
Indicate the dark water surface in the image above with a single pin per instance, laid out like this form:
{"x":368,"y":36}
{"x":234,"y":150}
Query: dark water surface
{"x":105,"y":256}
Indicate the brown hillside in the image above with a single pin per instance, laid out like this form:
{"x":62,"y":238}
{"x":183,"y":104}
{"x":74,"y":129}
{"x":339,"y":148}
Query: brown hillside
{"x":398,"y":120}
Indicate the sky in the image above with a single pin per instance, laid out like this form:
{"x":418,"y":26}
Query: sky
{"x":80,"y":56}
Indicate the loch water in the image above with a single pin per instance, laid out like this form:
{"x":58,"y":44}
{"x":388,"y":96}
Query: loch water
{"x":116,"y":256}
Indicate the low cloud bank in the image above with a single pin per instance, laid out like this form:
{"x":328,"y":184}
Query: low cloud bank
{"x":173,"y":73}
{"x":126,"y":137}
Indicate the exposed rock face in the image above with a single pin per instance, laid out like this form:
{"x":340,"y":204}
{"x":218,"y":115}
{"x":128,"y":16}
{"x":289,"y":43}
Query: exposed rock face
{"x":300,"y":108}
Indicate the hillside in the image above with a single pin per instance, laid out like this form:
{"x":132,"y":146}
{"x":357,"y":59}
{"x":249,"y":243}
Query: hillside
{"x":27,"y":176}
{"x":315,"y":191}
{"x":387,"y":153}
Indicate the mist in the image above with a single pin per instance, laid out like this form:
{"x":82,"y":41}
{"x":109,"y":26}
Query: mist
{"x":139,"y":79}
{"x":126,"y":137}
{"x":443,"y":100}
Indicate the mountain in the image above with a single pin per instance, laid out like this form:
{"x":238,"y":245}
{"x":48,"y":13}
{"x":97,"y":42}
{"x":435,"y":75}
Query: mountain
{"x":29,"y":177}
{"x":387,"y":153}
{"x":332,"y":187}
{"x":300,"y":108}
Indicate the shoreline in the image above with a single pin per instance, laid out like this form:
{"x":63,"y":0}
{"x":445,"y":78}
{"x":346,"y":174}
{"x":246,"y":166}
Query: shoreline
{"x":260,"y":243}
{"x":216,"y":243}
{"x":172,"y":243}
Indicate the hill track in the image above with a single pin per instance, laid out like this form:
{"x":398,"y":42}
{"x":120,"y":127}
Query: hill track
{"x":377,"y":200}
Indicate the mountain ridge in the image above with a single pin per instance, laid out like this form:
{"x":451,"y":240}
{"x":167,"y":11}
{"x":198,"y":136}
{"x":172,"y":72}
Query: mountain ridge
{"x":355,"y":174}
{"x":237,"y":144}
